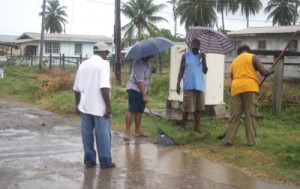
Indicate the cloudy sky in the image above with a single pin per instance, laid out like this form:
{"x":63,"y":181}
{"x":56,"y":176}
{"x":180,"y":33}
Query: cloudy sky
{"x":95,"y":17}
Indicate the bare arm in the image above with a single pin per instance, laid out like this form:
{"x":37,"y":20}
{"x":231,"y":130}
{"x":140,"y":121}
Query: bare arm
{"x":260,"y":68}
{"x":205,"y":69}
{"x":105,"y":94}
{"x":180,"y":73}
{"x":77,"y":100}
{"x":142,"y":89}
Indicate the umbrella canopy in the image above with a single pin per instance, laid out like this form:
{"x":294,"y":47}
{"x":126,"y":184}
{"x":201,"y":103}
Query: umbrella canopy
{"x":148,"y":47}
{"x":211,"y":41}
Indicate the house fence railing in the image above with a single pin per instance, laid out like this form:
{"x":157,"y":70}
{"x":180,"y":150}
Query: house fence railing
{"x":68,"y":61}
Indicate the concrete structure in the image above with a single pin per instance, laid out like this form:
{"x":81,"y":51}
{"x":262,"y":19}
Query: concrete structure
{"x":214,"y":83}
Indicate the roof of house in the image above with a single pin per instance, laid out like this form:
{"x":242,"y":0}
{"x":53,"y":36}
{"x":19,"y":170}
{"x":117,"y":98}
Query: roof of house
{"x":27,"y":36}
{"x":7,"y":39}
{"x":264,"y":30}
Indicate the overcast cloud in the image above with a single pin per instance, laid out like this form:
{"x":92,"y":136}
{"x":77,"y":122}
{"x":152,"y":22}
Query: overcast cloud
{"x":95,"y":17}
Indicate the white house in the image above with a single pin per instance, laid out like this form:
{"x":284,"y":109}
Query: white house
{"x":57,"y":44}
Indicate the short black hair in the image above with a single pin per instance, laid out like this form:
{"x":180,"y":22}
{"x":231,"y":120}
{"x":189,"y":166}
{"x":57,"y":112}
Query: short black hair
{"x":243,"y":48}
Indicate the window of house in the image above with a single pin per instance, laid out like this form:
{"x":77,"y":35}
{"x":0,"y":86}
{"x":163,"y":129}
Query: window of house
{"x":78,"y":48}
{"x":236,"y":45}
{"x":293,"y":46}
{"x":52,"y":48}
{"x":262,"y":45}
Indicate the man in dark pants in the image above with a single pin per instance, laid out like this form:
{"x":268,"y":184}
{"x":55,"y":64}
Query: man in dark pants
{"x":244,"y":93}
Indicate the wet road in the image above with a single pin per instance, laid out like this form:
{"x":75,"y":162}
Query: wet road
{"x":41,"y":150}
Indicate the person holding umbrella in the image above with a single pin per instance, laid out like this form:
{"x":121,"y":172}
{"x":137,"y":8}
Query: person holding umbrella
{"x":192,"y":69}
{"x":244,"y":93}
{"x":137,"y":88}
{"x":138,"y":83}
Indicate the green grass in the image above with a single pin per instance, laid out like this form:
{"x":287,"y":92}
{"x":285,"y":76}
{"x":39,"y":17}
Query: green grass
{"x":277,"y":155}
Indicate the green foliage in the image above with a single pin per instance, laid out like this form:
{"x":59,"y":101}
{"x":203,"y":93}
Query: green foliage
{"x":62,"y":102}
{"x":55,"y":17}
{"x":159,"y":89}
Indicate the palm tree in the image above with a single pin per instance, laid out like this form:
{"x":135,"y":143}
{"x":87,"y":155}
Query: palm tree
{"x":174,"y":4}
{"x":197,"y":13}
{"x":282,"y":12}
{"x":297,"y":3}
{"x":55,"y":17}
{"x":250,"y":7}
{"x":143,"y":19}
{"x":225,"y":6}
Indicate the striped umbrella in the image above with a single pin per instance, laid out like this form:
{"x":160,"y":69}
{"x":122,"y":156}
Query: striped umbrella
{"x":211,"y":41}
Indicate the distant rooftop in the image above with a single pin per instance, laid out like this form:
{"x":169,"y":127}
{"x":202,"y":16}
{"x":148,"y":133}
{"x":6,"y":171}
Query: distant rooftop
{"x":64,"y":37}
{"x":7,"y":38}
{"x":264,"y":30}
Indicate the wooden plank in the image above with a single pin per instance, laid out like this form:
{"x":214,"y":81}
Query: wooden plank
{"x":277,"y":88}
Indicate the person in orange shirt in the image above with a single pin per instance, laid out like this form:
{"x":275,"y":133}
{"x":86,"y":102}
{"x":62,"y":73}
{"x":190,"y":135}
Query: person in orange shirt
{"x":244,"y":93}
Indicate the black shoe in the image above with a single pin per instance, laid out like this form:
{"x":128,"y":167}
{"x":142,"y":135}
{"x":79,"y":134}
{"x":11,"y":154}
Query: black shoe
{"x":90,"y":165}
{"x":111,"y":166}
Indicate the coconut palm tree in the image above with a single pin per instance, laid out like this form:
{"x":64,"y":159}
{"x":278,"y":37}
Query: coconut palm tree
{"x":225,"y":6}
{"x":197,"y":12}
{"x":143,"y":19}
{"x":297,"y":4}
{"x":282,"y":12}
{"x":250,"y":7}
{"x":174,"y":4}
{"x":55,"y":17}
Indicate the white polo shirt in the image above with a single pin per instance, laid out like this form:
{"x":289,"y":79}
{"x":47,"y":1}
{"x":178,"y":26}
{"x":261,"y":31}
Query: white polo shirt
{"x":92,"y":75}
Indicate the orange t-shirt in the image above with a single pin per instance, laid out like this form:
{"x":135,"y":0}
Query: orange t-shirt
{"x":245,"y":78}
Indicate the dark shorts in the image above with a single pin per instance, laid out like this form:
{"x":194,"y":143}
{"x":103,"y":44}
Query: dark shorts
{"x":135,"y":101}
{"x":193,"y":100}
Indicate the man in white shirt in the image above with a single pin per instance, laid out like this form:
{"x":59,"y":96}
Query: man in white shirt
{"x":91,"y":86}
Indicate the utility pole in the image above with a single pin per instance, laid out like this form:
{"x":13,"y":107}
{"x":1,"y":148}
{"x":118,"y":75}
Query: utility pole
{"x":42,"y":35}
{"x":117,"y":40}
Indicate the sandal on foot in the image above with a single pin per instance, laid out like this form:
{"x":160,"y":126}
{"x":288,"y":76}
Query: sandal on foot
{"x":141,"y":135}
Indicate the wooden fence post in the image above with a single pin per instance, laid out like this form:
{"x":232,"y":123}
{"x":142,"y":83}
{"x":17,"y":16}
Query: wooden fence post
{"x":63,"y":56}
{"x":50,"y":62}
{"x":277,"y":88}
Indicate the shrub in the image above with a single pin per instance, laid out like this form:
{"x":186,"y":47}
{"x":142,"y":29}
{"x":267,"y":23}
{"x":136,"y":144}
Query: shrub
{"x":55,"y":80}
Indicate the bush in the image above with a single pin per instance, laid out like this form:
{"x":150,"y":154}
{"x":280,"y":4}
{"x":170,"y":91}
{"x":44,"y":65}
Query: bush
{"x":55,"y":80}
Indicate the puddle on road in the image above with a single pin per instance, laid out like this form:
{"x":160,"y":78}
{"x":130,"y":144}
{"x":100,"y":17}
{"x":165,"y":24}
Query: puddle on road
{"x":172,"y":162}
{"x":35,"y":160}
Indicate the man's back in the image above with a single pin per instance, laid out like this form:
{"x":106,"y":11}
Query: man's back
{"x":92,"y":75}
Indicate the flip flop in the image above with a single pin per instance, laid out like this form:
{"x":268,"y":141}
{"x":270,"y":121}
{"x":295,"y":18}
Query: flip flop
{"x":126,"y":139}
{"x":141,"y":135}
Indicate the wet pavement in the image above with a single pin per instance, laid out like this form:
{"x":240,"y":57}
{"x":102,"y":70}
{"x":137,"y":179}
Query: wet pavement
{"x":41,"y":150}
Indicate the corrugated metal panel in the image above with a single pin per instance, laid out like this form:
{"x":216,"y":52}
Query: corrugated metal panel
{"x":264,"y":30}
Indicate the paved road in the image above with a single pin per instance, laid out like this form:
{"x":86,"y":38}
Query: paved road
{"x":41,"y":150}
